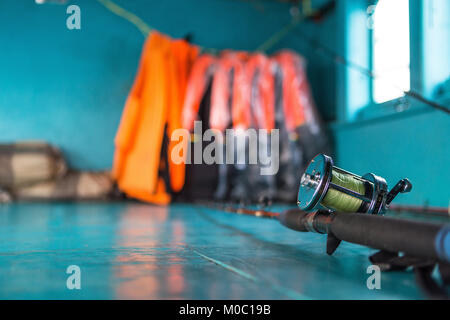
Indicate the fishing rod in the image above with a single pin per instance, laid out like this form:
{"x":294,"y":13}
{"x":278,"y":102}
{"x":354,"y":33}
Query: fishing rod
{"x":421,"y":239}
{"x":402,"y":243}
{"x":348,"y":207}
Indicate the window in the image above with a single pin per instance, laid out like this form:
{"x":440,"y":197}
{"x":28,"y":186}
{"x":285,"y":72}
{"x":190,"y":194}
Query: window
{"x":390,"y":50}
{"x":404,"y":43}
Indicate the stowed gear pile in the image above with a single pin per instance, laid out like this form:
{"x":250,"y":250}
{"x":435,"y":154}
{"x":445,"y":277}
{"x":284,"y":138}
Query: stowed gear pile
{"x":175,"y":86}
{"x":238,"y":90}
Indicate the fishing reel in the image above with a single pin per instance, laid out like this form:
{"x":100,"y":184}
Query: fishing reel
{"x":326,"y":187}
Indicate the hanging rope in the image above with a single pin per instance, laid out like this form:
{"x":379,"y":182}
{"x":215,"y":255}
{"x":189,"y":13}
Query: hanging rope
{"x":307,"y":12}
{"x":278,"y":36}
{"x":121,"y":12}
{"x":146,"y":29}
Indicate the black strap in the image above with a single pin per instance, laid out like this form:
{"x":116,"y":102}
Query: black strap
{"x":423,"y":269}
{"x":433,"y":289}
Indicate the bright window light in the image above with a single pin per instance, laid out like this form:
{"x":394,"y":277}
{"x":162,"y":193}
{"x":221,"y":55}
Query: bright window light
{"x":391,"y":57}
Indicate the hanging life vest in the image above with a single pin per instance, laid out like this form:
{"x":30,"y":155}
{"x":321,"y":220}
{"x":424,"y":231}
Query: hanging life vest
{"x":157,"y":89}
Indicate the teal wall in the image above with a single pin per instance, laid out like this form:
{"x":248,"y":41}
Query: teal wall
{"x":69,"y":87}
{"x":413,"y":143}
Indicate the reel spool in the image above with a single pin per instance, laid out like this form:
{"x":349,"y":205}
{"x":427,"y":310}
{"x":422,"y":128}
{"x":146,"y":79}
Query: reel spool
{"x":324,"y":186}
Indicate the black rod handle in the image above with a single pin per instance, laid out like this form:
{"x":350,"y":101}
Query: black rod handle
{"x":419,"y":239}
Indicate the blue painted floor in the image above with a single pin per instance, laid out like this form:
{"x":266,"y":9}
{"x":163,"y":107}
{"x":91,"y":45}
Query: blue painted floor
{"x":138,"y":251}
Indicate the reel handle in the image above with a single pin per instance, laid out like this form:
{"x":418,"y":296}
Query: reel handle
{"x":403,"y":186}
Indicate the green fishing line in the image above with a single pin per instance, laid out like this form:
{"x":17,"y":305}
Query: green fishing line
{"x":340,"y":201}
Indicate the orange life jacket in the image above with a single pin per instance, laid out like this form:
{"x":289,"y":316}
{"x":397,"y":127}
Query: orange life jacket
{"x":262,"y":91}
{"x":183,"y":56}
{"x":240,"y":104}
{"x":154,"y":102}
{"x":295,"y":88}
{"x":230,"y":68}
{"x":202,"y":70}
